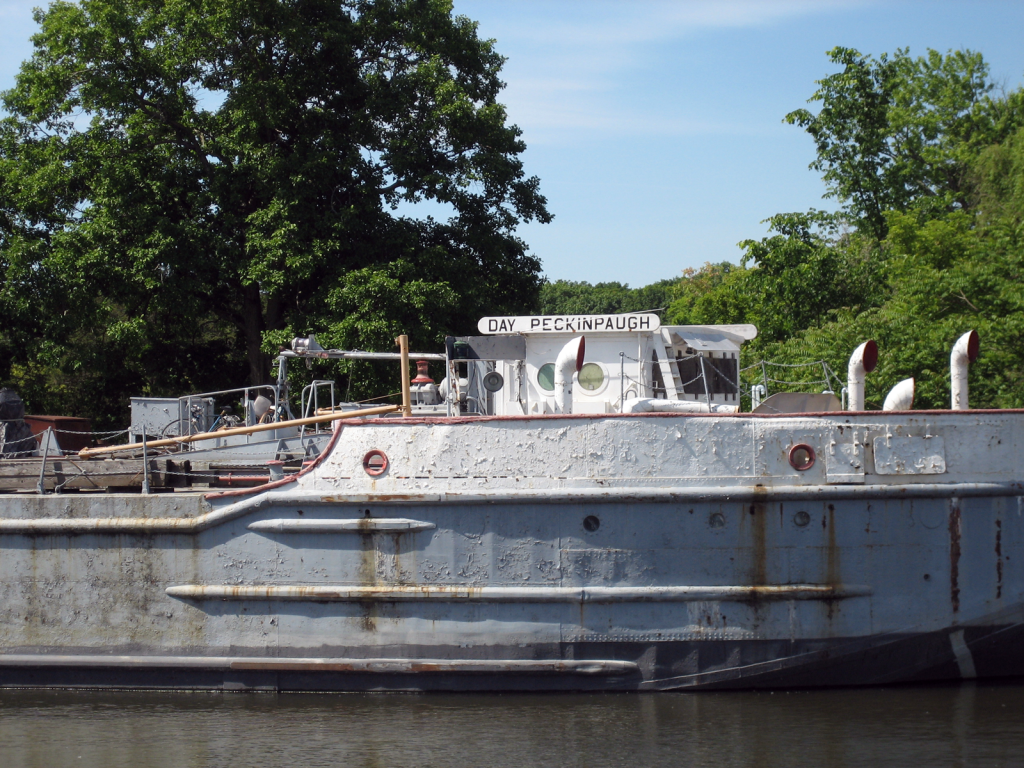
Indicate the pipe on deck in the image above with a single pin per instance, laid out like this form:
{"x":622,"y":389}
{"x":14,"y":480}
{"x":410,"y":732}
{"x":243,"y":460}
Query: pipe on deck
{"x":568,"y":362}
{"x":900,"y":397}
{"x":87,"y":453}
{"x":862,"y":362}
{"x":965,"y":352}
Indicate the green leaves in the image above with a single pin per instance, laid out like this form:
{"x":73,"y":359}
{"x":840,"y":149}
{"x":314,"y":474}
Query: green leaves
{"x":929,"y":244}
{"x":565,"y":297}
{"x":936,"y":279}
{"x":898,"y":132}
{"x":929,"y":168}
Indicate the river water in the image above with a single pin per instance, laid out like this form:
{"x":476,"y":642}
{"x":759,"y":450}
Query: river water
{"x":952,"y":725}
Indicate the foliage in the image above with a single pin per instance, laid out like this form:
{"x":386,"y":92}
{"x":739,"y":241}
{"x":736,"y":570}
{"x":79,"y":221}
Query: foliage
{"x":184,"y":187}
{"x":786,"y":282}
{"x":187,"y":179}
{"x":806,"y":269}
{"x":944,"y":277}
{"x":565,"y":297}
{"x":928,"y":165}
{"x":716,"y":293}
{"x":896,"y":131}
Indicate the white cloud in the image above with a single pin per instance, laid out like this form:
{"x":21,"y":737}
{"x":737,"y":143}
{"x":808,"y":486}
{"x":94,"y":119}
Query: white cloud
{"x":573,"y":65}
{"x":617,"y":23}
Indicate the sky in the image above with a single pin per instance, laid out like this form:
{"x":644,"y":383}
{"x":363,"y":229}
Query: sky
{"x":656,"y":128}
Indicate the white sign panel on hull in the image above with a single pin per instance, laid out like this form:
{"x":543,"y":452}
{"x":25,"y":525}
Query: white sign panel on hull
{"x":635,"y":323}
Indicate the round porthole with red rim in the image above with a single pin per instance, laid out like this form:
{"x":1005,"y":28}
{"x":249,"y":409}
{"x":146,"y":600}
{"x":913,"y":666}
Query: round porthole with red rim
{"x":801,"y":457}
{"x":375,"y":462}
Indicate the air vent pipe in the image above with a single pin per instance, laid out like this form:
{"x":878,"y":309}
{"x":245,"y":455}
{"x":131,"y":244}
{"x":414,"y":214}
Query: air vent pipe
{"x":863,"y":362}
{"x":965,"y":352}
{"x":568,"y":362}
{"x":900,"y":397}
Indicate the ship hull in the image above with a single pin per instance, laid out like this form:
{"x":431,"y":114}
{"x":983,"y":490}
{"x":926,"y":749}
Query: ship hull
{"x":342,"y":582}
{"x":994,"y":653}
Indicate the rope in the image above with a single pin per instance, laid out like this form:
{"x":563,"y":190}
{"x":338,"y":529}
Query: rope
{"x":799,"y":383}
{"x":381,"y":397}
{"x":759,"y":363}
{"x":112,"y":433}
{"x":831,"y":382}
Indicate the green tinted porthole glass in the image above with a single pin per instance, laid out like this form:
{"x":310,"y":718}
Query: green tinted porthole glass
{"x":546,"y":377}
{"x":591,"y":376}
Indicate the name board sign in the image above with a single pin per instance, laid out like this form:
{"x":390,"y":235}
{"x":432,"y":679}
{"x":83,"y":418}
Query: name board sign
{"x":638,"y":323}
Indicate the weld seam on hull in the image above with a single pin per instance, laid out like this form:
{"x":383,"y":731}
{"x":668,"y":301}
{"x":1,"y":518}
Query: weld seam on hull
{"x":689,"y":494}
{"x":564,"y":495}
{"x":520,"y":594}
{"x":381,"y":666}
{"x":352,"y":525}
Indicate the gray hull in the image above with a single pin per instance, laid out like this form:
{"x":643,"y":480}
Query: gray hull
{"x":681,"y":562}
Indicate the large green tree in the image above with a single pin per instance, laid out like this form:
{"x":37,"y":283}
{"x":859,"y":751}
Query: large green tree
{"x":896,"y":131}
{"x":176,"y":171}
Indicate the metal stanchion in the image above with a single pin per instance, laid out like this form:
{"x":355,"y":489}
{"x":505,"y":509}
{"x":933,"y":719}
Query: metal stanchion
{"x":145,"y":465}
{"x":707,"y":389}
{"x":40,"y":488}
{"x":622,"y":380}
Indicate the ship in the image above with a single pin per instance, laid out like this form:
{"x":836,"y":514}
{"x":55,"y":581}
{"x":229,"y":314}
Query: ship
{"x":584,"y":503}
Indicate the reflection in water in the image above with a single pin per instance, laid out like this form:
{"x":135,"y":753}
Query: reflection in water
{"x":964,"y":725}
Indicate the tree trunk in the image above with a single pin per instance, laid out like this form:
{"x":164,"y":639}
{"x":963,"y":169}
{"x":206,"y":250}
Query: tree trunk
{"x":272,"y":317}
{"x":252,"y":321}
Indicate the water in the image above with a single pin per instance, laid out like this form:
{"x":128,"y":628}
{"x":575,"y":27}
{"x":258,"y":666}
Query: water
{"x":966,"y":725}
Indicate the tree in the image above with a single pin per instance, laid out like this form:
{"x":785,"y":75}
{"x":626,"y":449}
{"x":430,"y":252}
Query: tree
{"x":942,"y":276}
{"x":233,"y":165}
{"x":930,"y":243}
{"x":896,"y":131}
{"x":808,"y":267}
{"x":566,"y":297}
{"x":714,"y":294}
{"x":787,"y":281}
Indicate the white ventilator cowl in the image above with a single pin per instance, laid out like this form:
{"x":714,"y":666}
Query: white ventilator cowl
{"x":862,"y":362}
{"x":965,"y":352}
{"x":568,"y":362}
{"x":900,"y":397}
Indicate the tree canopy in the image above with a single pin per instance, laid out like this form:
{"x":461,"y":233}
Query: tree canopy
{"x":183,"y":179}
{"x":567,"y":297}
{"x":896,"y":131}
{"x":927,"y":162}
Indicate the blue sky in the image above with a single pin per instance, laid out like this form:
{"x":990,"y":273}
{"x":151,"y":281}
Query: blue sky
{"x":656,"y":127}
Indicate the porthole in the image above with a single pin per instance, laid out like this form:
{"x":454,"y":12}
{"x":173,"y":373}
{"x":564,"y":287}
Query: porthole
{"x":801,"y":457}
{"x":546,"y":377}
{"x":591,"y":523}
{"x":375,"y":462}
{"x":591,"y":377}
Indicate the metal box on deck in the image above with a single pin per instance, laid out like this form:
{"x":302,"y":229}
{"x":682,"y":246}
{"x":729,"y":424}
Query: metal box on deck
{"x":158,"y":417}
{"x":72,"y":432}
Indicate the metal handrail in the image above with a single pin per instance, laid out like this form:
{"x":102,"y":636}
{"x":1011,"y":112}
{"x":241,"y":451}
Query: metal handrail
{"x":313,"y":406}
{"x":188,"y":400}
